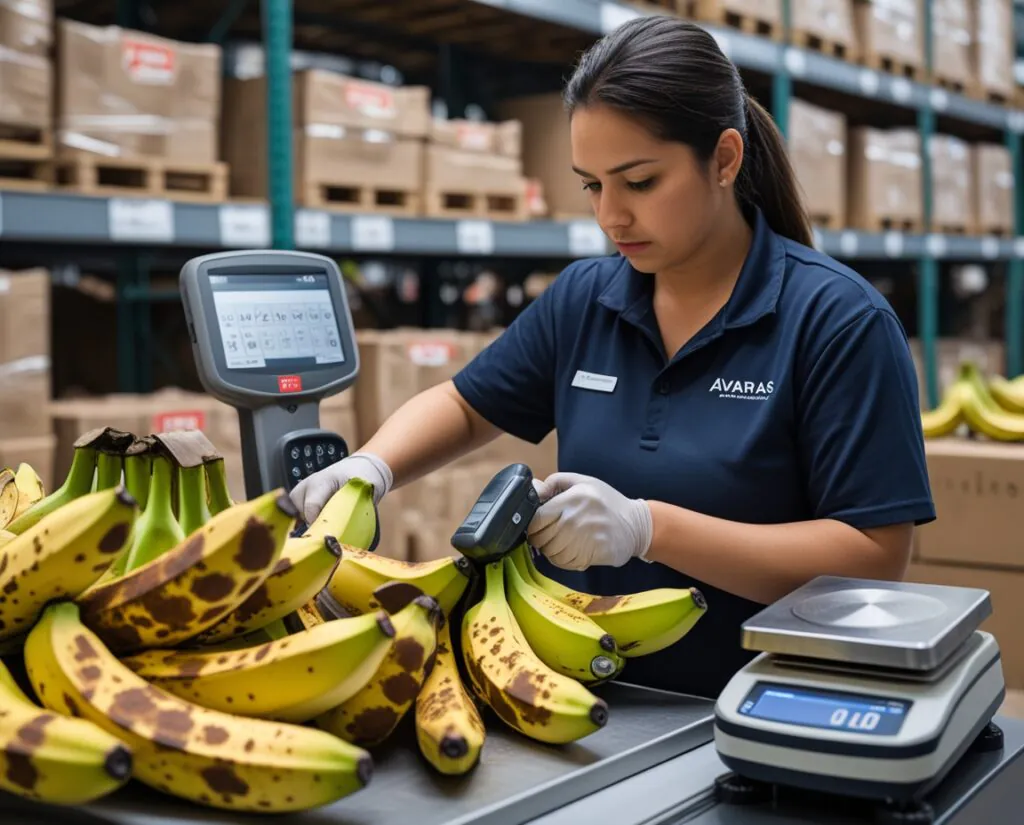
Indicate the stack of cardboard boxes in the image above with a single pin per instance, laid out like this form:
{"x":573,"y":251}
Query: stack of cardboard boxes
{"x":26,"y":71}
{"x":825,"y":24}
{"x":25,"y":432}
{"x":884,"y":178}
{"x":952,"y":44}
{"x":818,"y":152}
{"x":952,"y":184}
{"x":890,"y":34}
{"x":996,"y":49}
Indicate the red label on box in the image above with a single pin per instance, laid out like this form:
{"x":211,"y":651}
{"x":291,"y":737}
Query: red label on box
{"x":430,"y":353}
{"x":148,"y":62}
{"x":179,"y":420}
{"x":289,"y":383}
{"x":372,"y":101}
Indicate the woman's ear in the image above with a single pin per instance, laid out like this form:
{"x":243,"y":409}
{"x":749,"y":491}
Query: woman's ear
{"x":728,"y":158}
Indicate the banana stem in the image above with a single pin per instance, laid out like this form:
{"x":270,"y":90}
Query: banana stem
{"x":494,"y":580}
{"x":108,"y":471}
{"x":218,"y":495}
{"x":80,"y":476}
{"x":137,"y":469}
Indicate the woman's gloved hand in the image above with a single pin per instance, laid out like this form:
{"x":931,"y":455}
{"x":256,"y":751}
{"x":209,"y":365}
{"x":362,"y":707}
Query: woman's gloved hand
{"x":312,"y":493}
{"x":583,"y":521}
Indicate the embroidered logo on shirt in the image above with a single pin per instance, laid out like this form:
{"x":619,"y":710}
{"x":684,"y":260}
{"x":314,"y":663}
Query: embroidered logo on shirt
{"x":743,"y":390}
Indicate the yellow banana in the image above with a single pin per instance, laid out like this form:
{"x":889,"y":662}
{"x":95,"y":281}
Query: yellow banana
{"x":293,"y":679}
{"x":1008,"y":394}
{"x":449,"y":731}
{"x":30,"y":487}
{"x":371,"y":715}
{"x":349,"y":515}
{"x":524,"y":692}
{"x":62,"y":555}
{"x":303,"y":570}
{"x":982,"y":412}
{"x":563,"y":638}
{"x":641,"y":623}
{"x":54,"y":758}
{"x":8,"y":497}
{"x":6,"y":536}
{"x":944,"y":419}
{"x":193,"y":586}
{"x":360,"y":573}
{"x":205,"y":756}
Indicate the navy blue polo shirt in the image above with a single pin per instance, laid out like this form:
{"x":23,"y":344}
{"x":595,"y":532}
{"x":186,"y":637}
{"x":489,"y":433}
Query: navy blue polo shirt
{"x":797,"y":401}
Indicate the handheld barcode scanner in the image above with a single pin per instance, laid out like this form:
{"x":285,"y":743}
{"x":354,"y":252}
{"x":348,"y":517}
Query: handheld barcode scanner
{"x":498,"y":520}
{"x":272,"y":336}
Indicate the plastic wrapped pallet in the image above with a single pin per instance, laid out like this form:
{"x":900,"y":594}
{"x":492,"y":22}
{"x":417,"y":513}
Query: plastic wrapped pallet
{"x":952,"y":184}
{"x":884,"y":178}
{"x":994,"y":188}
{"x":817,"y":147}
{"x":891,"y":34}
{"x":829,"y":22}
{"x":952,"y":38}
{"x":27,"y":26}
{"x":996,"y":48}
{"x":26,"y":71}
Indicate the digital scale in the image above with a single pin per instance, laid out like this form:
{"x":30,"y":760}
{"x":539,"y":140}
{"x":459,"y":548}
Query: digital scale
{"x":272,"y":336}
{"x":862,"y":688}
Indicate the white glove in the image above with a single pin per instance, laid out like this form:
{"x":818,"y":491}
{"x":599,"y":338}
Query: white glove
{"x":312,"y":493}
{"x":583,"y":522}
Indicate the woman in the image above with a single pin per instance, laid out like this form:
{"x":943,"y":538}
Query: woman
{"x":734,"y":410}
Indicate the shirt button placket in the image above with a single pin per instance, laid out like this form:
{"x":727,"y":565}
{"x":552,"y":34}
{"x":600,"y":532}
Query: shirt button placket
{"x":657,"y":409}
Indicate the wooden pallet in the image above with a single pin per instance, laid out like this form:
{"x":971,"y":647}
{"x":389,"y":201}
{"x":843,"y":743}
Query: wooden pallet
{"x":496,"y":207}
{"x":991,"y":231}
{"x":883,"y":223}
{"x":893,"y":65}
{"x":952,"y":229}
{"x":26,"y":156}
{"x":823,"y":45}
{"x":826,"y":221}
{"x":956,"y":85}
{"x":718,"y":13}
{"x":92,"y":174}
{"x":348,"y":197}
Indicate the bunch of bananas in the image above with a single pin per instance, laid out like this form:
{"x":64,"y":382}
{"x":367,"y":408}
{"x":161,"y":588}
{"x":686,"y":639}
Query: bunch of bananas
{"x":201,"y":647}
{"x":993,"y":408}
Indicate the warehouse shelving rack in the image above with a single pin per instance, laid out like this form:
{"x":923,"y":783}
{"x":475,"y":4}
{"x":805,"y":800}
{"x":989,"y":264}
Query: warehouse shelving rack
{"x":132,"y":227}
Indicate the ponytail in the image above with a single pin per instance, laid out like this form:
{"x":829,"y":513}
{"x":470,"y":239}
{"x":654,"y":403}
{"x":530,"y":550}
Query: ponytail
{"x":671,"y":74}
{"x":767,"y":180}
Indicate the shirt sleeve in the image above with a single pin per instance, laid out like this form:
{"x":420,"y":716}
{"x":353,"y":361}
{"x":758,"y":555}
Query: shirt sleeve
{"x":511,"y":383}
{"x":860,"y":427}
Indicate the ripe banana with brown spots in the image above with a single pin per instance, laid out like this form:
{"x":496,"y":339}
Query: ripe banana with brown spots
{"x":373,"y":713}
{"x":196,"y":584}
{"x":524,"y":692}
{"x":62,"y":555}
{"x":53,"y":758}
{"x":449,"y":731}
{"x":305,"y":566}
{"x":205,"y":756}
{"x":293,"y":679}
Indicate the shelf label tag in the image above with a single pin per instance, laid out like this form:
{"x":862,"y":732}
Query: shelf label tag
{"x":848,"y":243}
{"x":373,"y":233}
{"x":586,"y":238}
{"x":138,"y":219}
{"x":1018,"y":247}
{"x":902,"y":90}
{"x":893,"y":244}
{"x":474,"y":237}
{"x":796,"y":62}
{"x":245,"y":226}
{"x":939,"y":99}
{"x":613,"y":15}
{"x":935,"y":245}
{"x":312,"y":229}
{"x":990,"y":247}
{"x":1015,"y":121}
{"x":868,"y":82}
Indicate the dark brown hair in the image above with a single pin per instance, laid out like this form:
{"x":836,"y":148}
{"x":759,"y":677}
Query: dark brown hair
{"x":672,"y":75}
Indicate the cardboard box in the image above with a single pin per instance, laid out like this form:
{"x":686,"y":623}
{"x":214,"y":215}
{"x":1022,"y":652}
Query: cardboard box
{"x":953,"y":40}
{"x":978,"y":488}
{"x":884,"y":177}
{"x":768,"y":11}
{"x":994,"y":184}
{"x":1007,"y":620}
{"x":26,"y":26}
{"x":891,"y":29}
{"x":350,"y":160}
{"x":125,"y":93}
{"x":36,"y":451}
{"x":24,"y":314}
{"x":817,"y":148}
{"x":26,"y":81}
{"x":472,"y":136}
{"x":996,"y":49}
{"x":952,"y":183}
{"x":829,"y":20}
{"x":990,"y":356}
{"x":450,"y":170}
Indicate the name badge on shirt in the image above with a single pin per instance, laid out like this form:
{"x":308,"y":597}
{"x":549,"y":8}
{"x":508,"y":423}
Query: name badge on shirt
{"x":594,"y":381}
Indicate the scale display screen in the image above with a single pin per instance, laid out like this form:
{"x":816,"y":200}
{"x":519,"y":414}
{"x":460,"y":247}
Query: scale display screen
{"x":284,"y":323}
{"x":830,"y":710}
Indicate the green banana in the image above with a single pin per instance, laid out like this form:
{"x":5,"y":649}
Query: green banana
{"x":77,"y":483}
{"x":138,"y":465}
{"x":505,"y":673}
{"x":205,"y":756}
{"x":193,"y":511}
{"x":218,"y":495}
{"x":640,"y":623}
{"x":62,"y":555}
{"x":157,"y":530}
{"x":55,"y":758}
{"x":196,"y":583}
{"x":349,"y":515}
{"x":566,"y":640}
{"x":372,"y":713}
{"x":293,"y":679}
{"x":303,"y":570}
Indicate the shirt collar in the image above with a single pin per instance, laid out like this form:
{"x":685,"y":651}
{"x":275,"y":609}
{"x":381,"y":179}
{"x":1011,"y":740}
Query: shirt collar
{"x":755,"y":295}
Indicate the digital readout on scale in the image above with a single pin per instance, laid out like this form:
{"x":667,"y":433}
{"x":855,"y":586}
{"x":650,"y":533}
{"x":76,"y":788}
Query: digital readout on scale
{"x":826,"y":709}
{"x":279,"y":320}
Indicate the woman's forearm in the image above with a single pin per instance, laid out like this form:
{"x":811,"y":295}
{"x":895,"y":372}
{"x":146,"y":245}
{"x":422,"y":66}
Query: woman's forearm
{"x":763,"y":562}
{"x":429,"y":430}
